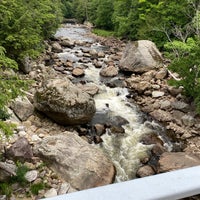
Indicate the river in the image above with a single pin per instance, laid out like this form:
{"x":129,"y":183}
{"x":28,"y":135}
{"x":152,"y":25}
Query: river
{"x":125,"y":150}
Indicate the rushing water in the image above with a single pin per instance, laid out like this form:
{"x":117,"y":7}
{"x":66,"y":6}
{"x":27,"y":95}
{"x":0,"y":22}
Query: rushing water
{"x":124,"y":149}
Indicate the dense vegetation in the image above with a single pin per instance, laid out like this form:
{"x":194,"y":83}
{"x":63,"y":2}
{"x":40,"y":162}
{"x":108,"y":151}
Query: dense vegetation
{"x":24,"y":25}
{"x":173,"y":25}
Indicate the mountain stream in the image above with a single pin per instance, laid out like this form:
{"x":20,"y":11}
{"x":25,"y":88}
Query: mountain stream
{"x":125,"y":149}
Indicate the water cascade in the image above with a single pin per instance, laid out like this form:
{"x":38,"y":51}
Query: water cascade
{"x":124,"y":149}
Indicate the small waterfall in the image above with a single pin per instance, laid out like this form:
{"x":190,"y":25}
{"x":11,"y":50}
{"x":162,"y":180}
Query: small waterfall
{"x":124,"y":149}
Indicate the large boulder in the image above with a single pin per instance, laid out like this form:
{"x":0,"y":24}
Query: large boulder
{"x":177,"y":160}
{"x":79,"y":163}
{"x":63,"y":102}
{"x":140,"y":56}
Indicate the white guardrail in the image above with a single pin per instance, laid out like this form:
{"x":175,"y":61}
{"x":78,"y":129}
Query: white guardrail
{"x":167,"y":186}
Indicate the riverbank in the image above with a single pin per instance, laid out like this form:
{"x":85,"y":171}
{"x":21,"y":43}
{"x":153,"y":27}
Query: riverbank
{"x":150,"y":91}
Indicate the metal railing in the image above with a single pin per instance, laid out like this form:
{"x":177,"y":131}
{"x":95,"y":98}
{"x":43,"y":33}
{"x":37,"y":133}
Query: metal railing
{"x":167,"y":186}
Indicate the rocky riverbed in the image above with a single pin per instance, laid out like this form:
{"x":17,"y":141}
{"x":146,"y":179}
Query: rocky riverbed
{"x":55,"y":138}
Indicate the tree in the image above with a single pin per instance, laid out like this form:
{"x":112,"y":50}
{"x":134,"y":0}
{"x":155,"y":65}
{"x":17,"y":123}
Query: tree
{"x":104,"y":15}
{"x":23,"y":27}
{"x":25,"y":24}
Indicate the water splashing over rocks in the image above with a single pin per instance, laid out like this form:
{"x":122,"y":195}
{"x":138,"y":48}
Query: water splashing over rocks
{"x":125,"y":148}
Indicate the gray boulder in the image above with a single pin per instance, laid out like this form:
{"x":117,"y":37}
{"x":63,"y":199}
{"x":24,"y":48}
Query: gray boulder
{"x":20,"y":150}
{"x":7,"y":170}
{"x":22,"y":107}
{"x":140,"y":56}
{"x":79,"y":163}
{"x":63,"y":102}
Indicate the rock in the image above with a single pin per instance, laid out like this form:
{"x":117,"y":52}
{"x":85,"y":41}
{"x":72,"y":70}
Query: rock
{"x":144,"y":171}
{"x":67,"y":43}
{"x":165,"y":104}
{"x":109,"y":71}
{"x":116,"y":82}
{"x":188,"y":120}
{"x":26,"y":65}
{"x":79,"y":163}
{"x":179,"y":105}
{"x":22,"y":107}
{"x":177,"y":160}
{"x":158,"y":150}
{"x":174,"y":91}
{"x":137,"y":84}
{"x":177,"y":116}
{"x":22,"y":133}
{"x":3,"y":197}
{"x":99,"y":129}
{"x":140,"y":56}
{"x":176,"y":128}
{"x":117,"y":129}
{"x":59,"y":68}
{"x":89,"y":88}
{"x":156,"y":94}
{"x":151,"y":138}
{"x":21,"y":150}
{"x":161,"y":74}
{"x":78,"y":72}
{"x":56,"y":47}
{"x":12,"y":116}
{"x":64,"y":188}
{"x":31,"y":176}
{"x":161,"y":115}
{"x":93,"y":53}
{"x":101,"y":54}
{"x":35,"y":138}
{"x":50,"y":193}
{"x":63,"y":102}
{"x":7,"y":170}
{"x":97,"y":139}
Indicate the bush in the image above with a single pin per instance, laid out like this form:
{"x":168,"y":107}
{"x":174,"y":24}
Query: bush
{"x":188,"y":67}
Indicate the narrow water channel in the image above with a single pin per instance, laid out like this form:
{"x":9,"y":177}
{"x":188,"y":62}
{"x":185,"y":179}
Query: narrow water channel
{"x":124,"y":149}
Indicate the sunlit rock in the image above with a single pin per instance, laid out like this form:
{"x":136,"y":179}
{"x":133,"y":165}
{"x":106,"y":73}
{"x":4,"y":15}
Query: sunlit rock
{"x":141,"y":56}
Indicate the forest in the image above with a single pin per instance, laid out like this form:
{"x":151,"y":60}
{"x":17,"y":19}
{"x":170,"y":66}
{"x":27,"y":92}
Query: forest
{"x":173,"y":25}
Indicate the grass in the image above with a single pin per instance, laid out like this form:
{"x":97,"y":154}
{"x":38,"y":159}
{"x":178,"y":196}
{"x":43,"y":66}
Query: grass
{"x":35,"y":188}
{"x":103,"y":33}
{"x":5,"y":189}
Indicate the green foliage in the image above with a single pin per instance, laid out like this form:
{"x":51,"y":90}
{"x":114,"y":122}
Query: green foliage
{"x":5,"y":189}
{"x":67,"y":8}
{"x":10,"y":86}
{"x":20,"y":174}
{"x":25,"y":24}
{"x":103,"y":33}
{"x":178,"y":49}
{"x":188,"y":67}
{"x":35,"y":188}
{"x":104,"y":14}
{"x":6,"y":129}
